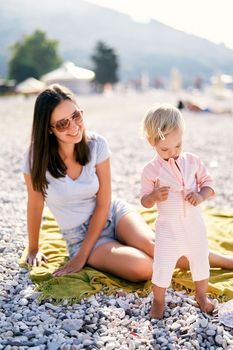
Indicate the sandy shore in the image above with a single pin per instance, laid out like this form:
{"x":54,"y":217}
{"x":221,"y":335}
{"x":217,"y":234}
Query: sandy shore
{"x":117,"y":117}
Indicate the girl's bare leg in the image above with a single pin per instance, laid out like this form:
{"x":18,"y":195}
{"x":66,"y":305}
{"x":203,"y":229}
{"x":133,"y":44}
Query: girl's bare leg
{"x":157,"y":307}
{"x":203,"y":301}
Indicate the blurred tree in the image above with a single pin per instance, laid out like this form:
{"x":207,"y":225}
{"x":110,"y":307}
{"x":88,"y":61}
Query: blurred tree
{"x":33,"y":56}
{"x":105,"y":65}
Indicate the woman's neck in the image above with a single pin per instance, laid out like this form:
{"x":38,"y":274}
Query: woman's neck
{"x":66,"y":151}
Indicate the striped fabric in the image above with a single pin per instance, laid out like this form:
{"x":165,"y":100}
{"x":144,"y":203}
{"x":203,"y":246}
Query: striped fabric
{"x":180,"y":230}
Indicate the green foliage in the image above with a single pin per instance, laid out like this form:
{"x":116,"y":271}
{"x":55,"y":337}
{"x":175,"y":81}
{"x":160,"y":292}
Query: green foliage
{"x":33,"y":56}
{"x":105,"y":64}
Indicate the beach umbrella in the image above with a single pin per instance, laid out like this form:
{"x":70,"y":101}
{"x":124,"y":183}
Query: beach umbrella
{"x":30,"y":86}
{"x":68,"y":71}
{"x":76,"y":78}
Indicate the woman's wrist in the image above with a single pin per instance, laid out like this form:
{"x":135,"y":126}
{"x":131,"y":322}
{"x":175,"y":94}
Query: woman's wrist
{"x":33,"y":249}
{"x":82,"y":254}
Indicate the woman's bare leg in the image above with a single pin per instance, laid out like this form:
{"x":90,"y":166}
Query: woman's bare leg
{"x":134,"y":232}
{"x":215,"y":259}
{"x":134,"y":265}
{"x":219,"y":260}
{"x":123,"y":261}
{"x":131,"y":257}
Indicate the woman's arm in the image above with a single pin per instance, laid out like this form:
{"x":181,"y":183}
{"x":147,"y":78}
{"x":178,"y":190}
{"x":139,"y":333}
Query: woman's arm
{"x":100,"y":214}
{"x":35,"y":207}
{"x":97,"y":222}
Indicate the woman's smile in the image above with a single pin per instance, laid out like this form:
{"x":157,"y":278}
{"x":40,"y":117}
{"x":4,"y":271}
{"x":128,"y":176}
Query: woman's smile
{"x":76,"y":133}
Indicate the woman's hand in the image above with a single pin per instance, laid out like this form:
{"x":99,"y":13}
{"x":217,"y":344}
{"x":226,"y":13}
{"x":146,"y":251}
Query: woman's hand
{"x":36,"y":258}
{"x":74,"y":265}
{"x":194,"y":198}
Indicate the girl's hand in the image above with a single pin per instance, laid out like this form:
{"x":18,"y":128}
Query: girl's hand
{"x":74,"y":265}
{"x":194,"y":198}
{"x":160,"y":194}
{"x":36,"y":258}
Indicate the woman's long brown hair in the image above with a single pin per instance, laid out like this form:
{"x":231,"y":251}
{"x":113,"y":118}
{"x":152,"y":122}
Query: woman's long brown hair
{"x":43,"y":154}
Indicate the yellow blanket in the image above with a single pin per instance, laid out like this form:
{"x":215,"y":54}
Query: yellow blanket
{"x":89,"y":281}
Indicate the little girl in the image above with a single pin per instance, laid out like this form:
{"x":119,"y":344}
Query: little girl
{"x":177,"y":182}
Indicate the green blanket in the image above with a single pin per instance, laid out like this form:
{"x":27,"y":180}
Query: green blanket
{"x":89,"y":281}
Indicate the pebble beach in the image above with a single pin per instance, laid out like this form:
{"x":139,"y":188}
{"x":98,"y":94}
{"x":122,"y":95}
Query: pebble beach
{"x":118,"y":321}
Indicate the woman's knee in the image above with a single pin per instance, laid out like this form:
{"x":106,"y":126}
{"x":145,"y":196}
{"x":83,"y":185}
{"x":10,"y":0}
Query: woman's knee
{"x":148,"y":245}
{"x":182,"y":263}
{"x":142,"y":270}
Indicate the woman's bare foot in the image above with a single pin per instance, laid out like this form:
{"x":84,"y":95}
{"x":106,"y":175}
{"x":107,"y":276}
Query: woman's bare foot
{"x":206,"y":305}
{"x":157,"y":309}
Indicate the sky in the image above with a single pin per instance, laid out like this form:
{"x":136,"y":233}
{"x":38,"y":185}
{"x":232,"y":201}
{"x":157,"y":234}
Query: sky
{"x":210,"y":19}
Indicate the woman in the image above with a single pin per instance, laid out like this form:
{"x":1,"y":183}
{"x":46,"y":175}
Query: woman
{"x":68,"y":168}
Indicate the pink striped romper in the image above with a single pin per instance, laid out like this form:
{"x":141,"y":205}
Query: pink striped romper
{"x":180,"y":230}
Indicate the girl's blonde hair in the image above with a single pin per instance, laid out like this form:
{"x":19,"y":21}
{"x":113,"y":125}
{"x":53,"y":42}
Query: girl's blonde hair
{"x":160,"y":121}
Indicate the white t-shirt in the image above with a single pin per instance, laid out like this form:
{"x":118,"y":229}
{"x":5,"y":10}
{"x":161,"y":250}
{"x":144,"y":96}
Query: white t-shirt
{"x":72,"y":202}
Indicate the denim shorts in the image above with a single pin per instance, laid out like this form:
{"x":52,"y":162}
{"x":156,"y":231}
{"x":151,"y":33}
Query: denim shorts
{"x":75,"y":236}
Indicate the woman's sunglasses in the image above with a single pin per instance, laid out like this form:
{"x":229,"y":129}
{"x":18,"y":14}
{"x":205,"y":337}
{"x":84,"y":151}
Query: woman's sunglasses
{"x":64,"y":124}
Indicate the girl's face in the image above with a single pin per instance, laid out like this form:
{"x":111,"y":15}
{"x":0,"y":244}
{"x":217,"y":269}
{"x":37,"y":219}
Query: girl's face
{"x":171,"y":147}
{"x":67,"y":122}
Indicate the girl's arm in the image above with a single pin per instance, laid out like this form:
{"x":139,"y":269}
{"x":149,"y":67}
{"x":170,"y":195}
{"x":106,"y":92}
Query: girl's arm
{"x":205,"y":185}
{"x":206,"y":192}
{"x":159,"y":194}
{"x":35,"y":207}
{"x":148,"y":201}
{"x":97,"y":222}
{"x":205,"y":181}
{"x":196,"y":198}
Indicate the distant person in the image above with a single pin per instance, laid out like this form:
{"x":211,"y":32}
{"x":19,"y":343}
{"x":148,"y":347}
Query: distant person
{"x":178,"y":183}
{"x":194,"y":107}
{"x":191,"y":106}
{"x":180,"y":105}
